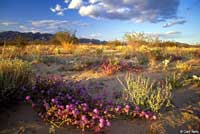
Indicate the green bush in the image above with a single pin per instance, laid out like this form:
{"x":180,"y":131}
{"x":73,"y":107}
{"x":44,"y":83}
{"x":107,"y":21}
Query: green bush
{"x":14,"y":74}
{"x":146,"y":94}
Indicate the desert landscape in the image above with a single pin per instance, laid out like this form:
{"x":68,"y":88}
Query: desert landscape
{"x":143,"y":88}
{"x":99,"y":67}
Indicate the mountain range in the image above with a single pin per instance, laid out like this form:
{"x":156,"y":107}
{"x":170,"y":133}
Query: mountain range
{"x":9,"y":36}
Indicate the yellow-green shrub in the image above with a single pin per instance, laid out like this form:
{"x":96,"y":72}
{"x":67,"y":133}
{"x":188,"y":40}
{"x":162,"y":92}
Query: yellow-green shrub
{"x":149,"y":95}
{"x":182,"y":67}
{"x":14,"y":74}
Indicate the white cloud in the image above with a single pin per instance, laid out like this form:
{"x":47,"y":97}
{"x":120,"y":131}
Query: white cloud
{"x":58,"y":10}
{"x":172,"y":23}
{"x":165,"y":35}
{"x":75,"y":4}
{"x":137,"y":10}
{"x":92,"y":36}
{"x":50,"y":26}
{"x":56,"y":23}
{"x":91,"y":10}
{"x":173,"y":33}
{"x":93,"y":1}
{"x":8,"y":23}
{"x":134,"y":10}
{"x":96,"y":35}
{"x":60,"y":13}
{"x":24,"y":28}
{"x":66,"y":1}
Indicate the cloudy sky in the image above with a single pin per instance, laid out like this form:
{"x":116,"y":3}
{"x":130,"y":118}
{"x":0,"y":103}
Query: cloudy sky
{"x":176,"y":20}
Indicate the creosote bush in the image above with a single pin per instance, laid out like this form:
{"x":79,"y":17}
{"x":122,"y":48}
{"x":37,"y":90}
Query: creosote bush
{"x":141,"y":91}
{"x":13,"y":75}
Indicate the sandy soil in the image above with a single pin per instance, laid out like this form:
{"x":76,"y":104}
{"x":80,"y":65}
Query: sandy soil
{"x":185,"y":114}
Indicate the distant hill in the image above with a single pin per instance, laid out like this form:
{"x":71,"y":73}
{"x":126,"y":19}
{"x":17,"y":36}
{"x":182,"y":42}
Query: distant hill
{"x":91,"y":41}
{"x":10,"y":36}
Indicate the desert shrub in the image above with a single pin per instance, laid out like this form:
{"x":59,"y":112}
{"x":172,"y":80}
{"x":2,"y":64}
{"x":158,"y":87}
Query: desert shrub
{"x":138,"y":39}
{"x":57,"y":51}
{"x":51,"y":59}
{"x":127,"y":54}
{"x":69,"y":47}
{"x":63,"y":38}
{"x":135,"y":38}
{"x":194,"y":79}
{"x":99,"y":51}
{"x":165,"y":64}
{"x":20,"y":42}
{"x":67,"y":40}
{"x":143,"y":59}
{"x":157,"y":54}
{"x":182,"y":67}
{"x":14,"y":74}
{"x":116,"y":43}
{"x":144,"y":48}
{"x":141,"y":91}
{"x":176,"y":79}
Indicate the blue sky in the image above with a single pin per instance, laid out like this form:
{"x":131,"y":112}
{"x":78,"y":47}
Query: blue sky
{"x":176,"y":20}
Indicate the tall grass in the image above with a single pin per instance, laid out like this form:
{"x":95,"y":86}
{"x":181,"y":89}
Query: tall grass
{"x":14,"y":74}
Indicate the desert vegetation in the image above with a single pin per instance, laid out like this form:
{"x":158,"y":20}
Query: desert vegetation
{"x":90,"y":87}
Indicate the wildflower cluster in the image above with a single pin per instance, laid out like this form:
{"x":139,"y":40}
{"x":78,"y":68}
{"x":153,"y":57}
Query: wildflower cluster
{"x":109,"y":68}
{"x":58,"y":104}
